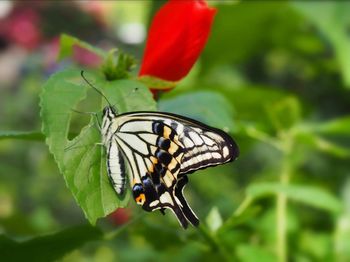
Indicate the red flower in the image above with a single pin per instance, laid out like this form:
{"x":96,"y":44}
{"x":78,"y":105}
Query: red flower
{"x":176,"y":38}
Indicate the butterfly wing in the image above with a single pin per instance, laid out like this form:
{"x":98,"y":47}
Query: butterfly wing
{"x":116,"y":167}
{"x":161,"y":148}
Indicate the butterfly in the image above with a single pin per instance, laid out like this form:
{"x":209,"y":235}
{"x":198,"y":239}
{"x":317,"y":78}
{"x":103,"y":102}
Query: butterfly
{"x":159,"y":150}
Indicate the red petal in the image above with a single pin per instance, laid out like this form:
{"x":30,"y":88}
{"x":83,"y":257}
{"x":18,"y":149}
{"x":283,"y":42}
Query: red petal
{"x":176,"y":38}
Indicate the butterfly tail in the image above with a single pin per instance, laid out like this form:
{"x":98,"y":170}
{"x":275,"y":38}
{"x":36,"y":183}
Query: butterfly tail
{"x":186,"y":210}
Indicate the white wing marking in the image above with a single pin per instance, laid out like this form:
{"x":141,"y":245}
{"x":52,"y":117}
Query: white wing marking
{"x":134,"y":142}
{"x":130,"y":158}
{"x":132,"y":126}
{"x":150,"y":138}
{"x":116,"y":170}
{"x":196,"y":139}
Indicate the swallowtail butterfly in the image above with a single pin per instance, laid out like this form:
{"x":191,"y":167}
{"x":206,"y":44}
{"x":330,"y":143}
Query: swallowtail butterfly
{"x":159,"y":150}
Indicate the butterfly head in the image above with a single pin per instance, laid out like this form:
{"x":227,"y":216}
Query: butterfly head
{"x":109,"y":111}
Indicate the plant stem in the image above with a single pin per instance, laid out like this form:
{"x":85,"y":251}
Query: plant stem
{"x":213,"y":243}
{"x":243,"y":206}
{"x":281,"y":209}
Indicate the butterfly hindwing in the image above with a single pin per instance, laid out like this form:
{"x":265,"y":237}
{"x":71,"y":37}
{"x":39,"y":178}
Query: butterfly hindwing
{"x":160,"y":149}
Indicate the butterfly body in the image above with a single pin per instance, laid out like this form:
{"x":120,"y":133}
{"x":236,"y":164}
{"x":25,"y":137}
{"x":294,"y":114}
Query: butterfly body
{"x":159,"y":150}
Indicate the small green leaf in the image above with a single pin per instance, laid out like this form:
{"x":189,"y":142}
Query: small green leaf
{"x":156,"y":83}
{"x":81,"y":160}
{"x":342,"y":237}
{"x":339,"y":126}
{"x":285,"y":113}
{"x":117,"y":65}
{"x":49,"y":247}
{"x":23,"y":135}
{"x":309,"y":195}
{"x":209,"y":107}
{"x":323,"y":145}
{"x":67,"y":43}
{"x":214,"y":219}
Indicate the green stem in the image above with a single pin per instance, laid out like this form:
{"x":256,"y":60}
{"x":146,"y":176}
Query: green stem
{"x":281,"y":209}
{"x":243,"y":206}
{"x":213,"y":243}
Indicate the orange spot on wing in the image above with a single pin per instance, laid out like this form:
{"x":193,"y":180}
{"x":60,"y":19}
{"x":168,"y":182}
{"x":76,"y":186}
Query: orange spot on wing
{"x":140,"y":199}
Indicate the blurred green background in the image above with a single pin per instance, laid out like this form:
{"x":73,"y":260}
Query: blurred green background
{"x":276,"y":75}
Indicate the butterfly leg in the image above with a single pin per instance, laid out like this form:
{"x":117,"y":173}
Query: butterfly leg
{"x":89,"y":113}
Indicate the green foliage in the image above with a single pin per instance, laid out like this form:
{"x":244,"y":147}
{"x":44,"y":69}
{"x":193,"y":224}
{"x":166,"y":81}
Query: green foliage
{"x":34,"y":136}
{"x":214,"y":219}
{"x":285,"y":113}
{"x":82,"y":160}
{"x":309,"y":195}
{"x":156,"y":83}
{"x":248,"y":34}
{"x":117,"y":66}
{"x":333,"y":20}
{"x":250,"y":253}
{"x":68,"y":42}
{"x":339,"y":126}
{"x":211,"y":108}
{"x":48,"y":247}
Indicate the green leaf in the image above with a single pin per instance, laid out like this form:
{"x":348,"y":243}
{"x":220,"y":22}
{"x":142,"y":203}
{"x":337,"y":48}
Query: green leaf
{"x":243,"y":218}
{"x":214,"y":219}
{"x":339,"y":126}
{"x":61,"y":93}
{"x":209,"y":107}
{"x":67,"y":43}
{"x":333,"y":19}
{"x":319,"y":245}
{"x":252,"y":253}
{"x":81,"y":160}
{"x":323,"y":145}
{"x":285,"y":113}
{"x":23,"y":135}
{"x":309,"y":195}
{"x":49,"y":247}
{"x":156,"y":83}
{"x":117,"y":65}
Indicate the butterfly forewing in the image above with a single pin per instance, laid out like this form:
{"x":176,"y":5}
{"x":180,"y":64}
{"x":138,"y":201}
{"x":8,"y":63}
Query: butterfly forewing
{"x":160,"y":149}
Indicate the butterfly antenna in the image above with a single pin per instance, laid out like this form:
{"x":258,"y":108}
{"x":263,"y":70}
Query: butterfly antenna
{"x":97,"y":90}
